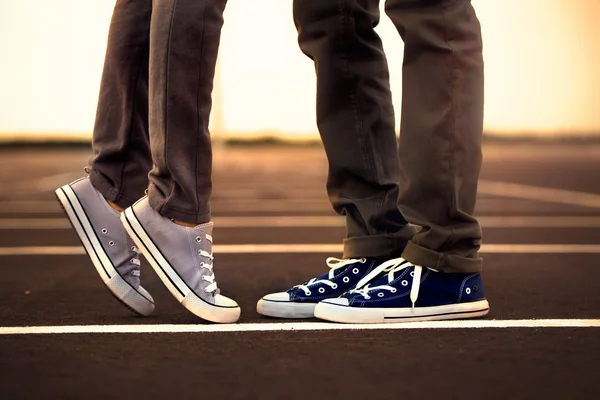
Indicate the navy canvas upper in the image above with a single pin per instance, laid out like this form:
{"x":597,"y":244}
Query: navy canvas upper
{"x":435,"y":289}
{"x":344,"y":278}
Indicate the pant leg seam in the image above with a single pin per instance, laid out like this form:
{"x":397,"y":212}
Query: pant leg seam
{"x":166,"y":94}
{"x":346,"y":15}
{"x":452,"y":129}
{"x":128,"y":137}
{"x":202,"y":46}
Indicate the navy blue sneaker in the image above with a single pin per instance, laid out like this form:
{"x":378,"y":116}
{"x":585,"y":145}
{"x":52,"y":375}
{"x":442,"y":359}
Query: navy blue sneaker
{"x":407,"y":293}
{"x":300,"y":301}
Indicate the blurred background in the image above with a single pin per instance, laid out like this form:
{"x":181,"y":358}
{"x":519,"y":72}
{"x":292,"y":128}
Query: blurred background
{"x":542,"y":69}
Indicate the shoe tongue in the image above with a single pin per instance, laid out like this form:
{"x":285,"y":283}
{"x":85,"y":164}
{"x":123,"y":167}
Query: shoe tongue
{"x":126,"y":268}
{"x":382,"y":277}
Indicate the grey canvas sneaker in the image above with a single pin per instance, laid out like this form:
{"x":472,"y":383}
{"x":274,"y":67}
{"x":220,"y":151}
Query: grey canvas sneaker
{"x":182,"y":257}
{"x":113,"y":253}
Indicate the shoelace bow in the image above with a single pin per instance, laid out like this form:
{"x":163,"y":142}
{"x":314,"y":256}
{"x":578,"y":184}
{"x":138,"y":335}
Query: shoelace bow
{"x":392,"y":266}
{"x":334,"y":264}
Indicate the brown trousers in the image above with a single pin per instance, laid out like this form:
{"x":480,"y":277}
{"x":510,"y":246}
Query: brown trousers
{"x":157,"y":83}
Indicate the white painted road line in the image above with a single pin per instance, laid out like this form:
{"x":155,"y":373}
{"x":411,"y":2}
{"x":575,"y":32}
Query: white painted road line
{"x":222,"y":205}
{"x":42,"y":251}
{"x":44,"y":184}
{"x":540,"y":248}
{"x":486,"y":187}
{"x":540,"y":222}
{"x":333,"y":248}
{"x":30,"y":207}
{"x":34,"y":223}
{"x":220,"y":222}
{"x":328,"y":222}
{"x":519,"y":191}
{"x":300,"y":326}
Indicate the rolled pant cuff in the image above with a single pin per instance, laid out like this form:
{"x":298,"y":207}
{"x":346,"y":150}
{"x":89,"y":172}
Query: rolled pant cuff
{"x":385,"y":245}
{"x":158,"y":204}
{"x":110,"y":193}
{"x":443,"y":262}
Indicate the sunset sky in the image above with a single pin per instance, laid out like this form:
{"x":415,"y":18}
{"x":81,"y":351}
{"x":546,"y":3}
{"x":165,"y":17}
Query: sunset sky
{"x":542,"y":66}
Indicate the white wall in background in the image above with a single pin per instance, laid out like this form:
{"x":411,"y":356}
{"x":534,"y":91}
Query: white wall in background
{"x":542,"y":66}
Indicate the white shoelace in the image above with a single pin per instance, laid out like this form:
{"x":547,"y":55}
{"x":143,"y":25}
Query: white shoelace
{"x":208,"y":278}
{"x":135,"y":261}
{"x":392,"y":267}
{"x":334,"y":264}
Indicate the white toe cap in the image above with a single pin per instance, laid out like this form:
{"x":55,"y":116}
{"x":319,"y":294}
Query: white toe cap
{"x":281,"y":296}
{"x":340,"y":301}
{"x":145,"y":293}
{"x":223,"y":301}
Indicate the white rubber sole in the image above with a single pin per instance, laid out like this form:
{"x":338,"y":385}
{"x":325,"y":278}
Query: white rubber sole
{"x":362,"y":315}
{"x":118,"y":286}
{"x":285,"y":309}
{"x":171,"y":279}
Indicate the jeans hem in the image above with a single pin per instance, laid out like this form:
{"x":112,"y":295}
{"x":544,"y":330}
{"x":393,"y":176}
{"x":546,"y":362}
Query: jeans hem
{"x":160,"y":206}
{"x":383,"y":245}
{"x":110,"y":193}
{"x":442,"y":262}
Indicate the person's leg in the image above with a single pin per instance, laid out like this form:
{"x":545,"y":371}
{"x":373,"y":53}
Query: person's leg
{"x":437,"y":276}
{"x":442,"y":124}
{"x":184,"y":40}
{"x":356,"y":121}
{"x":121,"y":160}
{"x":184,"y":44}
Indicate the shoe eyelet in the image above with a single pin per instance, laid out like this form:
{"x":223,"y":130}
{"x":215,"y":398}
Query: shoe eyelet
{"x":404,"y":282}
{"x":412,"y":274}
{"x":346,"y":279}
{"x":355,"y":271}
{"x":132,"y":248}
{"x":131,"y":261}
{"x":335,"y":286}
{"x":468,"y":291}
{"x":111,"y":243}
{"x":198,"y":239}
{"x":308,"y":293}
{"x":394,"y":290}
{"x":199,"y":252}
{"x":363,"y":260}
{"x":321,"y":290}
{"x":380,"y":294}
{"x":475,"y":288}
{"x":104,"y":231}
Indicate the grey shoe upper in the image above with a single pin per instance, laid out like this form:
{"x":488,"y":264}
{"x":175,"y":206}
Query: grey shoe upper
{"x":105,"y":221}
{"x":187,"y":250}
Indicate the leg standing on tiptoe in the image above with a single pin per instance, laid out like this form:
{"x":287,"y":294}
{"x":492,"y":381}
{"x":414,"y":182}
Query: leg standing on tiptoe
{"x":153,"y":116}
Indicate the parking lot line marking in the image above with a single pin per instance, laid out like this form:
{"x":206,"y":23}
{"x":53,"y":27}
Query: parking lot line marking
{"x":300,"y":326}
{"x":539,"y":193}
{"x":316,"y":248}
{"x":328,"y":222}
